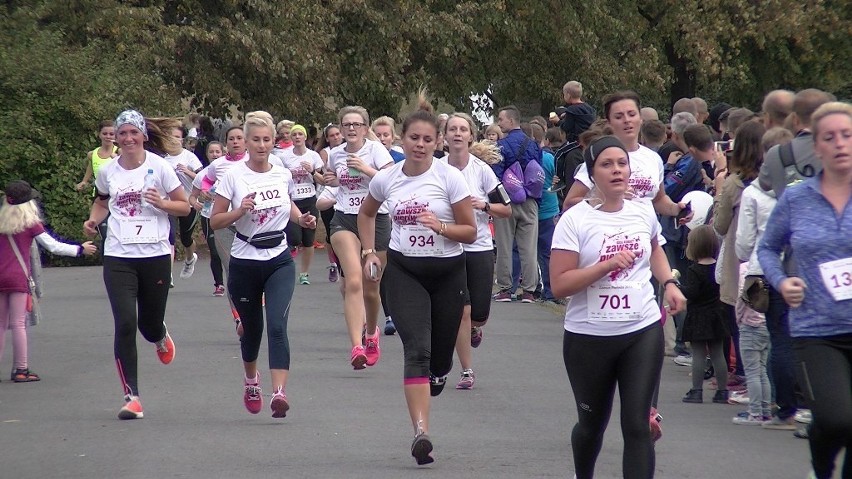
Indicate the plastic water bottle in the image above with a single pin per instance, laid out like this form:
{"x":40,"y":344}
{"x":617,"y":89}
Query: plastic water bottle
{"x":208,"y":205}
{"x":149,"y":183}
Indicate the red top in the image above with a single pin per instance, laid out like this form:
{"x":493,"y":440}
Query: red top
{"x":12,"y":277}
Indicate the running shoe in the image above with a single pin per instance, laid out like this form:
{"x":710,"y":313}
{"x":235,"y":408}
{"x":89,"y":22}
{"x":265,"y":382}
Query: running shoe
{"x":132,"y":408}
{"x":527,"y":297}
{"x":303,"y":278}
{"x":475,"y":336}
{"x":748,"y":420}
{"x":358,"y":358}
{"x":371,"y":348}
{"x":421,"y":449}
{"x":318,"y":245}
{"x":189,"y":267}
{"x":333,"y":275}
{"x":165,"y":349}
{"x":436,"y":385}
{"x":219,"y":290}
{"x":467,"y":379}
{"x":279,"y":404}
{"x":683,"y":360}
{"x":654,"y":420}
{"x":738,"y":397}
{"x":804,"y":416}
{"x":390,"y":328}
{"x":253,"y":396}
{"x":503,"y":296}
{"x":776,"y":422}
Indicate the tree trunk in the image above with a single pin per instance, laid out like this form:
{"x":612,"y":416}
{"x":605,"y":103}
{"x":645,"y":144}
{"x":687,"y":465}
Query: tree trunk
{"x":684,"y":81}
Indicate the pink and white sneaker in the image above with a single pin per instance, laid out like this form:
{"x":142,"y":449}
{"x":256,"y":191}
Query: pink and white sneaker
{"x":253,"y":396}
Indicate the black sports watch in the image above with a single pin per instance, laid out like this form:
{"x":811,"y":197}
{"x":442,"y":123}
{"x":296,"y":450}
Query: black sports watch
{"x":672,"y":281}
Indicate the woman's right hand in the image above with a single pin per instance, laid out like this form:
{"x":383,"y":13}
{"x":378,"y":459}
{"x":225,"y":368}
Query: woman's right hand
{"x":370,"y":260}
{"x":793,"y":291}
{"x":79,"y":186}
{"x":247,"y":205}
{"x":90,"y":228}
{"x":622,"y":260}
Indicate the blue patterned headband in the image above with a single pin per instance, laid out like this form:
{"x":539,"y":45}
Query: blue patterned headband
{"x":134,"y":118}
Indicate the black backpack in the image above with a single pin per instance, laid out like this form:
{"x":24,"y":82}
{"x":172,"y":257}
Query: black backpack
{"x":565,"y":170}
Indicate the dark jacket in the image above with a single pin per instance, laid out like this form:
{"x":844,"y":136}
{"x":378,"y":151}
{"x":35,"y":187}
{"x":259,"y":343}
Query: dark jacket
{"x":578,"y":118}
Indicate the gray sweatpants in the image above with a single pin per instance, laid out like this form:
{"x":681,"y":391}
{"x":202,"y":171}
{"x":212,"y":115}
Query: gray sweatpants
{"x":521,"y":227}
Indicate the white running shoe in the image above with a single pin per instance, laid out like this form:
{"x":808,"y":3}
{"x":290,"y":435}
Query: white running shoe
{"x":189,"y":267}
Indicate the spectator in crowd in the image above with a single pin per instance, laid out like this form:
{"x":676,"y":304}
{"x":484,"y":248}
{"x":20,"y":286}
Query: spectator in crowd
{"x":579,"y":116}
{"x":522,"y":226}
{"x":775,"y":176}
{"x":777,"y":106}
{"x":205,"y":135}
{"x":676,"y":146}
{"x":652,"y":134}
{"x":647,"y":113}
{"x":714,"y":120}
{"x":493,"y":133}
{"x":701,"y":109}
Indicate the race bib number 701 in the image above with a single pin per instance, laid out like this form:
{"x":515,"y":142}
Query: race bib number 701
{"x":615,"y":301}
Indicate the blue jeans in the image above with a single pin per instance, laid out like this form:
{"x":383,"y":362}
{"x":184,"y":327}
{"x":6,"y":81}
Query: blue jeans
{"x":781,"y":364}
{"x":545,"y":239}
{"x":754,"y":346}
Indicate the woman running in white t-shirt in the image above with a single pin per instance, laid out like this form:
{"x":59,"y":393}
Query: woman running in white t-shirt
{"x":479,"y":255}
{"x":202,"y":202}
{"x":137,"y":254}
{"x":351,"y":166}
{"x":432,"y":215}
{"x":255,"y":197}
{"x":305,"y":166}
{"x":603,"y":256}
{"x":331,"y":137}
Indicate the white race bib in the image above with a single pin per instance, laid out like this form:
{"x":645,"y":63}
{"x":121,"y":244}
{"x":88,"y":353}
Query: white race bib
{"x":304,"y":190}
{"x":139,"y":230}
{"x":837,"y":277}
{"x":615,"y":301}
{"x":352,"y":199}
{"x":268,"y":194}
{"x":417,"y":240}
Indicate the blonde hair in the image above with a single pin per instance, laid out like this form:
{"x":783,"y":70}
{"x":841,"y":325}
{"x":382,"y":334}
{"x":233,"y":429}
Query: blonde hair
{"x":260,"y":119}
{"x":830,"y":108}
{"x":360,"y":110}
{"x":385,"y":121}
{"x":160,"y":134}
{"x":486,"y":151}
{"x":17,"y":218}
{"x":282,"y":124}
{"x":474,"y":131}
{"x":493,"y":128}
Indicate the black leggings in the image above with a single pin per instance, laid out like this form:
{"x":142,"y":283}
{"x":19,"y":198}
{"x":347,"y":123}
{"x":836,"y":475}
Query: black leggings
{"x":137,"y":289}
{"x":426,"y":296}
{"x":480,"y":269}
{"x":327,"y":215}
{"x":296,"y":235}
{"x":595,"y":365}
{"x":824,"y":367}
{"x":247,"y":281}
{"x":215,"y":261}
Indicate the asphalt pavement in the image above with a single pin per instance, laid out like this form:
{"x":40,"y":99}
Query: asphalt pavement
{"x":515,"y":423}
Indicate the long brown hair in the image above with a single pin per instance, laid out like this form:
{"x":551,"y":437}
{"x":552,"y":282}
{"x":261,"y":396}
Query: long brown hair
{"x":748,"y":151}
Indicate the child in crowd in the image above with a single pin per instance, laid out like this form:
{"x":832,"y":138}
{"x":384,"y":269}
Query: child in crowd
{"x":705,"y":326}
{"x":754,"y":345}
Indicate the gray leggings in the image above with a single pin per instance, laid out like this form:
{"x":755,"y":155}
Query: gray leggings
{"x":717,"y":357}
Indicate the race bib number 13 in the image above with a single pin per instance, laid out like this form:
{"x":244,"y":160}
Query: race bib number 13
{"x":615,"y":301}
{"x":837,"y":277}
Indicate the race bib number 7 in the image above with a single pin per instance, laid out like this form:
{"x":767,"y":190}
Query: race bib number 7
{"x":139,"y":230}
{"x":615,"y":301}
{"x":837,"y":277}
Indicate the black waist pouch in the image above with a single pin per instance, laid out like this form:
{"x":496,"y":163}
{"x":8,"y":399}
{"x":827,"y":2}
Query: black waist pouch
{"x":265,"y":240}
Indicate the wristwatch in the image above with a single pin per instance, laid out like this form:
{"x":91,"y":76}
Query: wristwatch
{"x":367,"y":252}
{"x":672,"y":281}
{"x":487,"y":207}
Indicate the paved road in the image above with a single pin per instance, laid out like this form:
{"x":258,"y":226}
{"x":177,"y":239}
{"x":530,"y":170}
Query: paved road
{"x":343,"y":424}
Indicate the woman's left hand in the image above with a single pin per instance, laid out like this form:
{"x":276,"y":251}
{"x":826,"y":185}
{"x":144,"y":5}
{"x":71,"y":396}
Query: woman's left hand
{"x":429,"y":220}
{"x":674,"y":299}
